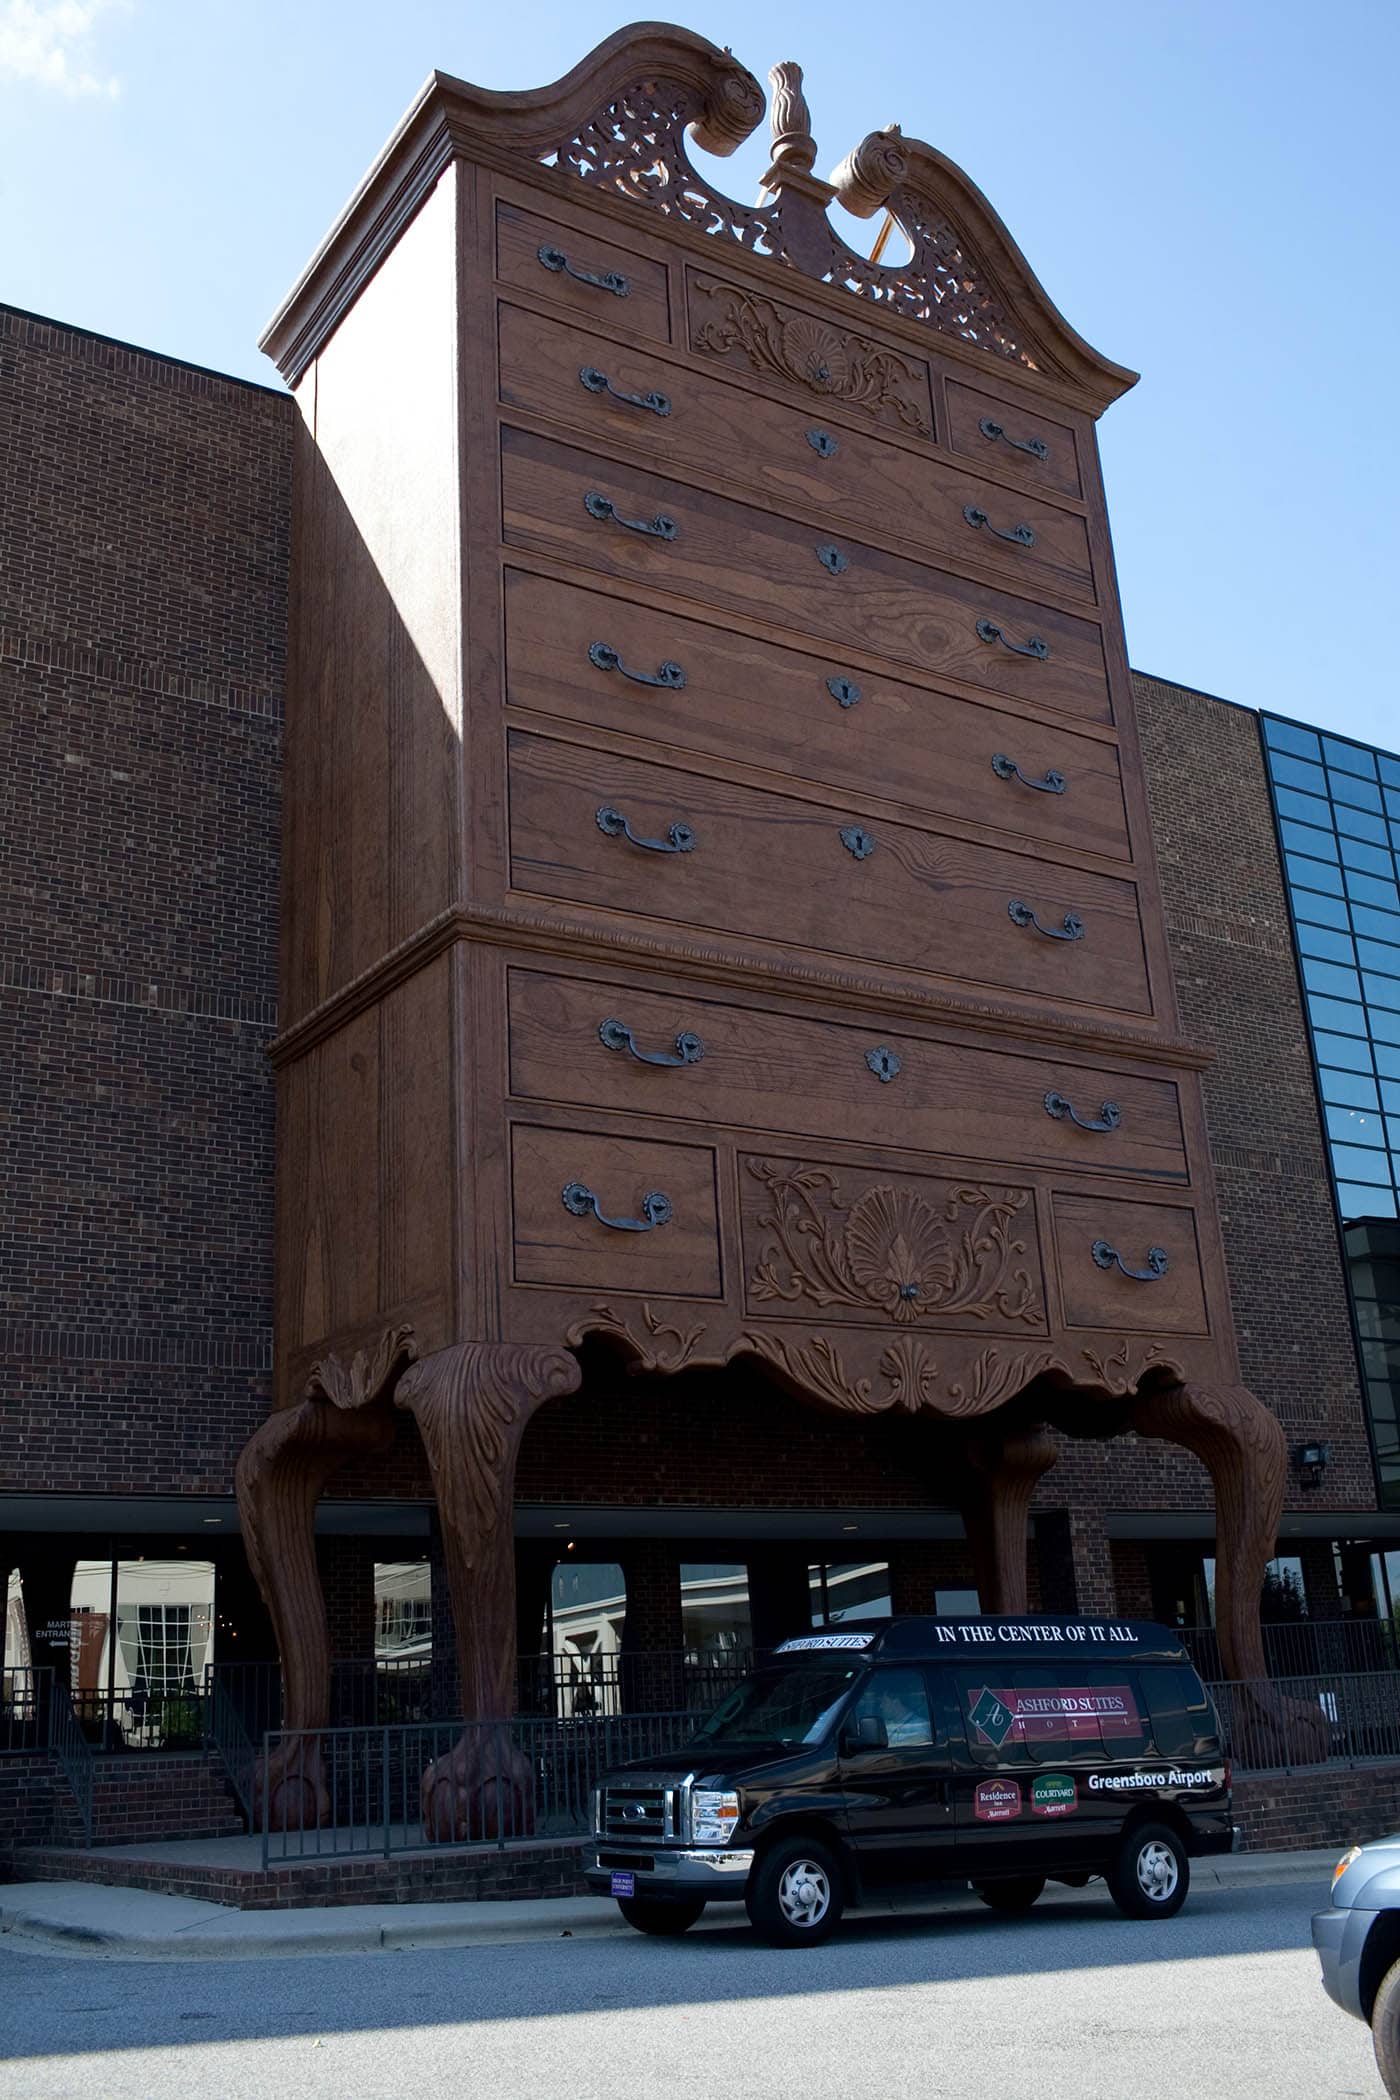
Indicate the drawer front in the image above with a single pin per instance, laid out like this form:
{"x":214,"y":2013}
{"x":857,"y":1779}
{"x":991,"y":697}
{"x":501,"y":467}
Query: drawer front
{"x":700,"y":851}
{"x":665,"y":536}
{"x":820,"y":719}
{"x":668,"y":1053}
{"x":1133,"y":1266}
{"x":688,"y":420}
{"x":902,"y":1252}
{"x":581,"y":274}
{"x":596,"y":1212}
{"x":1007,"y":438}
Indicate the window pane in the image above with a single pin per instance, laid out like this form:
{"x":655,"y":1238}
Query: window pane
{"x":1347,"y":788}
{"x":1290,"y":736}
{"x":1323,"y":941}
{"x":899,"y":1698}
{"x":1379,"y":925}
{"x":1331,"y":978}
{"x":1307,"y":809}
{"x":1306,"y":838}
{"x":1333,"y":1014}
{"x":1392,"y":801}
{"x":1390,"y":1095}
{"x":1351,"y":1163}
{"x":715,"y":1607}
{"x":403,"y":1610}
{"x":1348,"y":1089}
{"x":1389,"y":768}
{"x":1359,"y":823}
{"x":1357,"y":1201}
{"x":1291,"y":772}
{"x":1366,"y":889}
{"x":1350,"y":757}
{"x":1341,"y":1050}
{"x":849,"y":1589}
{"x":1385,"y":1026}
{"x":1374,"y":860}
{"x":1312,"y":874}
{"x":1354,"y":1126}
{"x":1378,"y":955}
{"x":1387,"y":1058}
{"x":1384,"y":991}
{"x":1319,"y":911}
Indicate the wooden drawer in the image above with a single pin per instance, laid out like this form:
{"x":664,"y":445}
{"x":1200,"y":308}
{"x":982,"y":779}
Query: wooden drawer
{"x":582,"y":1219}
{"x":1134,"y":1266}
{"x":820,"y":719}
{"x":908,"y":1253}
{"x":789,"y":454}
{"x":593,"y":279}
{"x":720,"y":553}
{"x":772,"y":868}
{"x":1029,"y":445}
{"x":573,"y":1039}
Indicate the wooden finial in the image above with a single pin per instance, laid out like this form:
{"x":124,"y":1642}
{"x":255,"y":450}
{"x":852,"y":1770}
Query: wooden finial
{"x":794,"y":148}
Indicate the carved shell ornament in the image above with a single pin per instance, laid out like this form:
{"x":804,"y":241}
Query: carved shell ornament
{"x":892,"y":1252}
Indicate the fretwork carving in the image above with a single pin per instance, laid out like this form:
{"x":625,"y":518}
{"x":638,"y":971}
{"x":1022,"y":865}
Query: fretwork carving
{"x":910,"y":1254}
{"x":729,"y":322}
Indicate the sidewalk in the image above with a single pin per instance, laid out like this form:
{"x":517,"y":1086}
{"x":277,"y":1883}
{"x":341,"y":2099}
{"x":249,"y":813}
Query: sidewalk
{"x":71,"y":1917}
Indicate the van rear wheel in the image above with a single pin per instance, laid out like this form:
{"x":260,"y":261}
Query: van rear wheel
{"x":653,"y":1914}
{"x":795,"y":1896}
{"x":1151,"y":1874}
{"x":1011,"y":1897}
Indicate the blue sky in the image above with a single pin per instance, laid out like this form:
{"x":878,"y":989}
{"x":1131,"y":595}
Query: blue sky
{"x":1204,"y":189}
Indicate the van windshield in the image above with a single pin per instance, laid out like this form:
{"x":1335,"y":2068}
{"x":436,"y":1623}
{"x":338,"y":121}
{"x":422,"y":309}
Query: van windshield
{"x":780,"y":1706}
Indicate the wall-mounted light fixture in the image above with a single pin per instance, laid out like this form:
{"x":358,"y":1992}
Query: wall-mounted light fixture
{"x":1312,"y":1461}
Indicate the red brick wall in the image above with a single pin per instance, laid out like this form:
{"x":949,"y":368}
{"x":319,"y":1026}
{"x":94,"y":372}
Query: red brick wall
{"x":143,"y":541}
{"x":1292,"y":1812}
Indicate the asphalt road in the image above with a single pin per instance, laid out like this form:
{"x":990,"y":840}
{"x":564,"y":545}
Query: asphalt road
{"x":1071,"y":2003}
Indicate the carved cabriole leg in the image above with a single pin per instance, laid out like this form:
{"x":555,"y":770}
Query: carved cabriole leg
{"x":279,"y":1477}
{"x":472,"y":1404}
{"x":1242,"y":1446}
{"x":1002,"y":1471}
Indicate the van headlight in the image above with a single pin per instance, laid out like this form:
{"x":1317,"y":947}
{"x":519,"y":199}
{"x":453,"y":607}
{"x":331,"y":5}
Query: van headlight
{"x":712,"y":1816}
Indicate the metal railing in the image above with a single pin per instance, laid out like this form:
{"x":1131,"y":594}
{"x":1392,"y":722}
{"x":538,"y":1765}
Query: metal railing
{"x":1323,"y":1718}
{"x":1301,"y":1648}
{"x":72,"y":1749}
{"x":530,"y":1778}
{"x":132,"y":1718}
{"x":22,"y":1695}
{"x":573,"y":1686}
{"x":229,"y":1739}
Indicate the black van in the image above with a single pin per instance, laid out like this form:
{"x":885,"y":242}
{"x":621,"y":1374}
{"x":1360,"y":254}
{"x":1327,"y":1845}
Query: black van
{"x":865,"y":1764}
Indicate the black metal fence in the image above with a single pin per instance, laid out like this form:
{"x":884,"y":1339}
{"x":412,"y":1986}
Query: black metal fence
{"x":1304,"y":1647}
{"x":507,"y":1781}
{"x":22,"y":1716}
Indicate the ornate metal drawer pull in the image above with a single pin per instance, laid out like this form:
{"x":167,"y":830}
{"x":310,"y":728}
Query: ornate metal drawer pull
{"x":603,"y":508}
{"x":1007,"y":769}
{"x":857,"y":841}
{"x":1019,"y":535}
{"x":832,"y":559}
{"x":844,"y":690}
{"x":1109,"y":1258}
{"x":1071,"y":927}
{"x":599,"y":383}
{"x":1037,"y":447}
{"x":988,"y":631}
{"x":616,"y":1035}
{"x":1109,"y":1116}
{"x":679,"y":837}
{"x":610,"y":281}
{"x":823,"y":443}
{"x":581,"y":1202}
{"x":606,"y":658}
{"x":884,"y":1063}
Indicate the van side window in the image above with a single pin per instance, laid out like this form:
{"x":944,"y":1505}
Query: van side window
{"x":1019,"y":1715}
{"x":1183,"y":1721}
{"x":899,"y":1698}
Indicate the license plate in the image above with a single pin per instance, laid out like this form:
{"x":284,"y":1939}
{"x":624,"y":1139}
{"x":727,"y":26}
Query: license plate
{"x":623,"y":1885}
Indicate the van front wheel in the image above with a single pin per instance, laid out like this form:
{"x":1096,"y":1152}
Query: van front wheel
{"x":794,"y":1897}
{"x":1151,"y":1874}
{"x":1011,"y":1897}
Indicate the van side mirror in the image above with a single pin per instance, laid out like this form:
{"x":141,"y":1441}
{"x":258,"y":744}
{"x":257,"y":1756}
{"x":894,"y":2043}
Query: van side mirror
{"x":869,"y":1733}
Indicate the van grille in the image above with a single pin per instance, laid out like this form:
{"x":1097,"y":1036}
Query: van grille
{"x":645,"y":1813}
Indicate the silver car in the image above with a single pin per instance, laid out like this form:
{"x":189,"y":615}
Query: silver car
{"x":1358,"y":1943}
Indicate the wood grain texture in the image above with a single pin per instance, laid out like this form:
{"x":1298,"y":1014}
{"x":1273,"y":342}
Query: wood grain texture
{"x":768,"y":1070}
{"x":916,"y":899}
{"x":553,"y":1245}
{"x":901,"y":742}
{"x":1022,"y":423}
{"x":753,"y":561}
{"x":1172,"y":1303}
{"x":1001,"y":1473}
{"x":642,"y":308}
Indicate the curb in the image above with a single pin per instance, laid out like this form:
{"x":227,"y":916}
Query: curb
{"x":224,"y":1934}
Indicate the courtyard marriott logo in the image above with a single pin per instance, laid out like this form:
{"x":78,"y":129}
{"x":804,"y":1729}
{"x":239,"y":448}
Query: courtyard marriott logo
{"x":1053,"y":1794}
